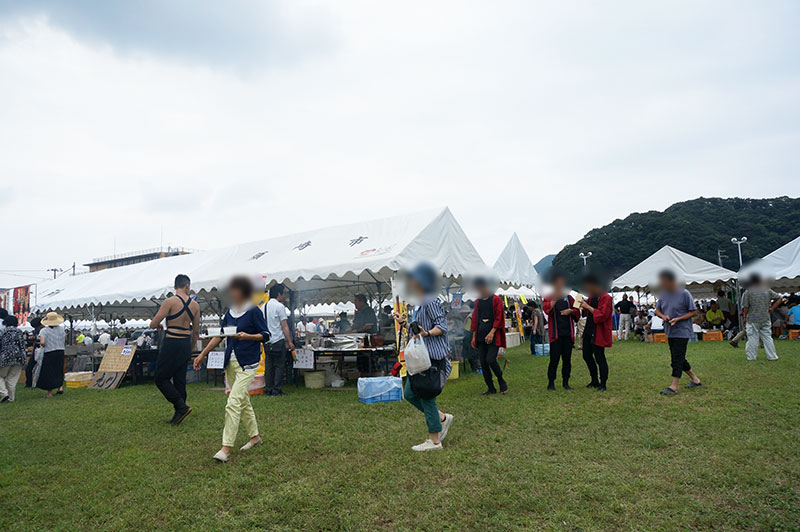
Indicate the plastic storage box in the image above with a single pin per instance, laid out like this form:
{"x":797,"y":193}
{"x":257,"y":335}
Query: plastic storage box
{"x":380,"y":389}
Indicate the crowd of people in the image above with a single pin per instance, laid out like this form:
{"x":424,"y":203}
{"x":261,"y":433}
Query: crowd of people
{"x":561,"y":321}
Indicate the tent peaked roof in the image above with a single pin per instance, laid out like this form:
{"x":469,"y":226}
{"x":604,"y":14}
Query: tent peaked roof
{"x":513,"y":266}
{"x":690,"y":269}
{"x":782,"y":265}
{"x":326,"y":263}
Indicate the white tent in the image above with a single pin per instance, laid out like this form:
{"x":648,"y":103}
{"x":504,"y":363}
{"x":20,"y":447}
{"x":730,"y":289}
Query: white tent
{"x":514,"y":267}
{"x":327,"y":265}
{"x":782,"y":266}
{"x":701,"y":277}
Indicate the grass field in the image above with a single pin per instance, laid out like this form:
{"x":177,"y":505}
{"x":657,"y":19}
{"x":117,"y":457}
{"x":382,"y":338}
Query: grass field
{"x":724,"y":457}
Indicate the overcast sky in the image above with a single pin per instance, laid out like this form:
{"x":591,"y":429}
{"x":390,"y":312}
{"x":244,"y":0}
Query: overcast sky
{"x":224,"y":122}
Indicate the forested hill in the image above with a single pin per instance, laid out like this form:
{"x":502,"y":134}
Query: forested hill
{"x":699,"y":227}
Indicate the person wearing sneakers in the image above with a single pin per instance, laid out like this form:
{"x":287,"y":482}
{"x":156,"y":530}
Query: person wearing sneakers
{"x":488,"y":326}
{"x":242,"y":356}
{"x":756,"y":309}
{"x":182,"y":316}
{"x":676,"y":307}
{"x":598,"y":310}
{"x":430,"y":320}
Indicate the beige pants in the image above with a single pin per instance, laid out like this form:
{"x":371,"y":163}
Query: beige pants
{"x":764,"y":332}
{"x":238,"y":407}
{"x":9,"y":375}
{"x":624,"y":326}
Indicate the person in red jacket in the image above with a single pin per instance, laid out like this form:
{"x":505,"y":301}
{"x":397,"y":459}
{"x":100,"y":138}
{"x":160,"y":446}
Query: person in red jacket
{"x":598,"y":309}
{"x":561,"y":319}
{"x":489,"y":334}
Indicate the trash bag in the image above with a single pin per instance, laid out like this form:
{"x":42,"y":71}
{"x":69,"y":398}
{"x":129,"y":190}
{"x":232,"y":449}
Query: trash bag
{"x":417,"y":357}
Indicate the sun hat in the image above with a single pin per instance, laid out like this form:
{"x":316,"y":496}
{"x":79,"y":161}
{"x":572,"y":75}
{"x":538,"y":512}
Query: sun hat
{"x":52,"y":319}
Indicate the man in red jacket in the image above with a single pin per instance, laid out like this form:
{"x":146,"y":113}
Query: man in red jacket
{"x":561,"y":319}
{"x":598,"y":309}
{"x":489,"y":334}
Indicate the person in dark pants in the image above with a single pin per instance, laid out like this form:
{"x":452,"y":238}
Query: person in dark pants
{"x":598,"y":310}
{"x":280,"y":340}
{"x":676,"y":307}
{"x":36,"y":323}
{"x":562,"y":317}
{"x":182,"y":316}
{"x":489,"y":334}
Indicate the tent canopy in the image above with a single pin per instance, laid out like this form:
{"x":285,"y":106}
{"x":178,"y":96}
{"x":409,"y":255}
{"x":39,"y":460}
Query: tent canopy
{"x":327,"y":265}
{"x":701,"y":277}
{"x":514,"y":267}
{"x":782,"y":266}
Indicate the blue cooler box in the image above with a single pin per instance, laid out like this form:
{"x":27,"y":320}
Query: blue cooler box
{"x":542,"y":350}
{"x":380,"y":389}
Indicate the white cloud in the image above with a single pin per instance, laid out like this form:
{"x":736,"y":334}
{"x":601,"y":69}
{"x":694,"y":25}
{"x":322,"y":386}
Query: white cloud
{"x":545,"y":119}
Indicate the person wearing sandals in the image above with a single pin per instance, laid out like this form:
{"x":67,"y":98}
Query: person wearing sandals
{"x":432,"y":322}
{"x":51,"y":338}
{"x":242,"y":356}
{"x":676,"y":307}
{"x":489,"y":334}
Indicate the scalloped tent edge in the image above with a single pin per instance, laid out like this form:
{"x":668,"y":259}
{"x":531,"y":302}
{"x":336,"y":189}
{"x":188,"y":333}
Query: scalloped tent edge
{"x":327,"y":265}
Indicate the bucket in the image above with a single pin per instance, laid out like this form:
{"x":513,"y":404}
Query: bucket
{"x":314,"y":379}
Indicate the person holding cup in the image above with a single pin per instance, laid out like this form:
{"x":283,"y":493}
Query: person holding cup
{"x":242,"y":356}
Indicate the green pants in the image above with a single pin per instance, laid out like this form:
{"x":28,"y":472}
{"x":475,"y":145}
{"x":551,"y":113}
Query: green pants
{"x":238,"y":407}
{"x":427,"y":407}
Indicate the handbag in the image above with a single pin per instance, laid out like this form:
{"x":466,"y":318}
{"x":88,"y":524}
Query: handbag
{"x":429,"y":383}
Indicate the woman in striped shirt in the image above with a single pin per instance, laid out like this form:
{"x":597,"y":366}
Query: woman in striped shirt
{"x":432,"y":321}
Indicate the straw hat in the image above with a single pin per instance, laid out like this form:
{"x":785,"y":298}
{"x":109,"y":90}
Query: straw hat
{"x":52,"y":319}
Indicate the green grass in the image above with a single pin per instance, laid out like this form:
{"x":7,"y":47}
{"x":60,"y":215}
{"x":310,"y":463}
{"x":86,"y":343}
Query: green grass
{"x":724,"y":457}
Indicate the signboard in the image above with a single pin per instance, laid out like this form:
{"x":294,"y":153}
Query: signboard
{"x":305,"y":359}
{"x":216,"y":360}
{"x":116,"y":361}
{"x":458,"y":301}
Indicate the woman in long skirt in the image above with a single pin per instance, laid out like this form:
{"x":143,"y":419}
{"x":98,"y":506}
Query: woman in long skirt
{"x":51,"y":338}
{"x":242,"y":356}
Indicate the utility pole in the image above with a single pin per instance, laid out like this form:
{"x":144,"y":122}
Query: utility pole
{"x":721,"y":255}
{"x":55,"y":271}
{"x":739,"y":245}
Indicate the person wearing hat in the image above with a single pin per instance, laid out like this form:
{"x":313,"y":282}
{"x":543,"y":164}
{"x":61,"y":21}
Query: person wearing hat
{"x":51,"y":338}
{"x":431,"y":320}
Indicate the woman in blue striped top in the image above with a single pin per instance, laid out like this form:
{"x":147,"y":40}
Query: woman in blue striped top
{"x":432,"y":321}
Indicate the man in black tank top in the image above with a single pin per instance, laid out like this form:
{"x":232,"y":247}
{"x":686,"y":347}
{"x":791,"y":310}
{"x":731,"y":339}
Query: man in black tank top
{"x":182,"y":315}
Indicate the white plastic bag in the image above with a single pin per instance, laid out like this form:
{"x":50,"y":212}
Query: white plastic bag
{"x":417,"y":357}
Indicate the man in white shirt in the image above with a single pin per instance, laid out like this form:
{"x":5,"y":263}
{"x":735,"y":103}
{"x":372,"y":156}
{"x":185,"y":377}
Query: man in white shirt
{"x":279,"y":340}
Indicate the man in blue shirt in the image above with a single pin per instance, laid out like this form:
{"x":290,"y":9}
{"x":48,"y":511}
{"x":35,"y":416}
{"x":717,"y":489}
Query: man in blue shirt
{"x":676,"y":307}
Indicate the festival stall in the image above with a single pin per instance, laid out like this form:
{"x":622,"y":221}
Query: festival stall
{"x":328,"y":265}
{"x":702,"y":278}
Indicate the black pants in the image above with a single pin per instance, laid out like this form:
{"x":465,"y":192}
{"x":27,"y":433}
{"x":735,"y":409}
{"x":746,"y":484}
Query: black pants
{"x":488,"y":356}
{"x":677,"y":352}
{"x":595,"y":358}
{"x":560,"y":349}
{"x":29,"y":371}
{"x":275,"y":367}
{"x":173,"y":357}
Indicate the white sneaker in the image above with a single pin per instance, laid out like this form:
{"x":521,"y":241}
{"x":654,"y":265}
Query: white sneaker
{"x":249,"y":445}
{"x":221,"y":457}
{"x":448,"y":420}
{"x":427,"y":445}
